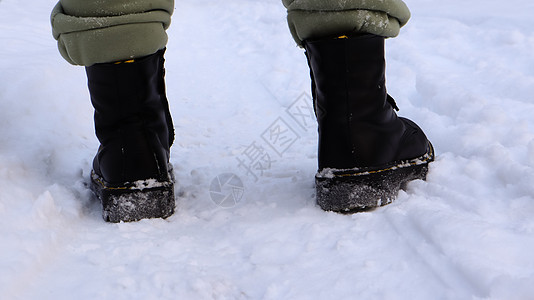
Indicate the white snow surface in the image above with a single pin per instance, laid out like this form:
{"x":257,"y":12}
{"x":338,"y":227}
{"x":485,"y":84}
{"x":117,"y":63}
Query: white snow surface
{"x":463,"y":70}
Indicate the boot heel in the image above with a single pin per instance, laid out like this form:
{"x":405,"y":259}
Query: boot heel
{"x":129,"y":202}
{"x":355,"y":190}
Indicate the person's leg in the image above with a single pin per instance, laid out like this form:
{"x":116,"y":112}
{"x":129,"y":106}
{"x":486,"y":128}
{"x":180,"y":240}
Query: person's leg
{"x":366,"y":152}
{"x":91,"y":32}
{"x":121,"y":43}
{"x":314,"y":19}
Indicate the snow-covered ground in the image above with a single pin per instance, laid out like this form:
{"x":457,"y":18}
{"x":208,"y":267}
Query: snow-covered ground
{"x":464,"y":70}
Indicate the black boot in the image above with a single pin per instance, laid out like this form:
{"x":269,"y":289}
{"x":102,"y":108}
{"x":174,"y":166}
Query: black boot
{"x":366,"y":152}
{"x":131,"y":173}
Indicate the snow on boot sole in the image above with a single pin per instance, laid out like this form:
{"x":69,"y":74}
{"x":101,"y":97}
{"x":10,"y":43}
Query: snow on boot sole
{"x":361,"y":189}
{"x":130,"y":202}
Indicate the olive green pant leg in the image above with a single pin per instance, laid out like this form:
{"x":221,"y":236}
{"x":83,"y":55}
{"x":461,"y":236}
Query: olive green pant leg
{"x":312,"y":19}
{"x":90,"y":32}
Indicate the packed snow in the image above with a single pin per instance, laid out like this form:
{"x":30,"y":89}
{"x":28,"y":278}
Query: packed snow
{"x":246,"y":225}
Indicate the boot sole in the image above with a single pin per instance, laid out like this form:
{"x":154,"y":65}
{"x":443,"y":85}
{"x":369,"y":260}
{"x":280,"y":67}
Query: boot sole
{"x":130,"y":202}
{"x":356,"y":190}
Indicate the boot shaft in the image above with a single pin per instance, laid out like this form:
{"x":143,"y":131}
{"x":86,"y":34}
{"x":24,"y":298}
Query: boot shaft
{"x":124,"y":93}
{"x":358,"y":126}
{"x":132,"y":119}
